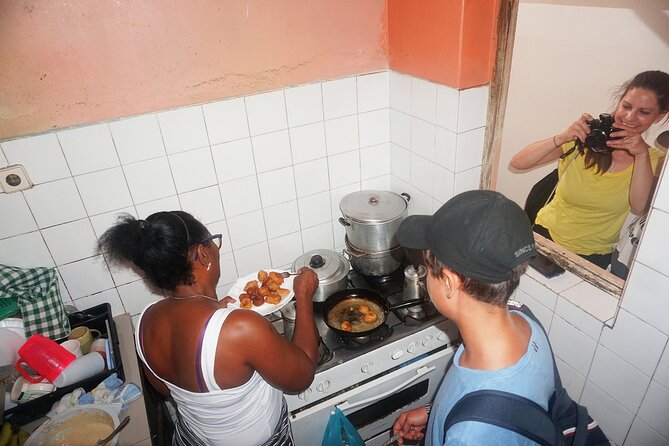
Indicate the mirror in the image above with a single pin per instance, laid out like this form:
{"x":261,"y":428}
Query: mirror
{"x":556,"y":60}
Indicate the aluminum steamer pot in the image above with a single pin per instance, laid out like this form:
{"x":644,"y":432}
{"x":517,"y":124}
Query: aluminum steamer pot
{"x":375,"y":263}
{"x":371,"y":219}
{"x":331,"y":269}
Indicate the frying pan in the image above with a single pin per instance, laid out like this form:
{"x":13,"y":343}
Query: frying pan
{"x":365,"y":295}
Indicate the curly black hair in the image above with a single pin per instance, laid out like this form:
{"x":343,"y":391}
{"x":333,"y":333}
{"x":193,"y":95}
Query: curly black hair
{"x":159,"y":246}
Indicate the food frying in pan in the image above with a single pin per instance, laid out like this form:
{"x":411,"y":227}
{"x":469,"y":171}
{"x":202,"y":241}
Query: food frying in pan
{"x":355,"y":315}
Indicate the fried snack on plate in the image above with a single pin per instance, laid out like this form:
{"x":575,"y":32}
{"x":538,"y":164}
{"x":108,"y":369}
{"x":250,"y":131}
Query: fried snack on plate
{"x":258,"y":300}
{"x":283,"y":292}
{"x":346,"y":326}
{"x":245,"y":302}
{"x":262,"y":275}
{"x":264,"y":291}
{"x":250,"y":286}
{"x":273,"y":299}
{"x":276,"y":277}
{"x":272,"y":286}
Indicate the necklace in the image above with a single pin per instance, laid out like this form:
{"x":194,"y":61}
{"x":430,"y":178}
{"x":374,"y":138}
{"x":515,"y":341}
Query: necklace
{"x":193,"y":295}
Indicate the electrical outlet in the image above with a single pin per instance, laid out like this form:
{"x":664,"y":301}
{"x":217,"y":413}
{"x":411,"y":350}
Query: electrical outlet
{"x":14,"y":178}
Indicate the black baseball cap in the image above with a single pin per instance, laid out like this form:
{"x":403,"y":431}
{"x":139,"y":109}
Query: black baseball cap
{"x":480,"y":234}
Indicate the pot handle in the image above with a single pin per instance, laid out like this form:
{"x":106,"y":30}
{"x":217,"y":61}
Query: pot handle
{"x":344,"y":222}
{"x":350,"y":254}
{"x":406,"y":196}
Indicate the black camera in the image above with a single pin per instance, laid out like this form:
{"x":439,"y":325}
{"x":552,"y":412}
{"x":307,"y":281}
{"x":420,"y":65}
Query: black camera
{"x":600,"y":132}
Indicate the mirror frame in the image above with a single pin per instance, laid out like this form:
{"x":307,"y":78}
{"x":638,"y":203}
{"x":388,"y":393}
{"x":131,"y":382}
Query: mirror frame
{"x":497,"y":98}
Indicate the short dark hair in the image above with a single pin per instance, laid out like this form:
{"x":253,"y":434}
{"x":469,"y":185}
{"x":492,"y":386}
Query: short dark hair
{"x":159,"y":246}
{"x":496,"y":294}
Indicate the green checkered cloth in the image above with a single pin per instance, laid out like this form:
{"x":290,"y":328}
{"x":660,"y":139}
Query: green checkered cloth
{"x":38,"y":296}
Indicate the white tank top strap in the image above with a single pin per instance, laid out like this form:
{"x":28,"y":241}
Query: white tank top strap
{"x":209,"y":346}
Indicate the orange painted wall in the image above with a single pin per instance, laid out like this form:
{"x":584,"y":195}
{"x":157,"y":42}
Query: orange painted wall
{"x":451,"y":42}
{"x":81,"y":61}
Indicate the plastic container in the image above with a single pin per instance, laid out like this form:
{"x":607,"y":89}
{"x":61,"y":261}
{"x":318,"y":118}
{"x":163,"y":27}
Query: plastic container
{"x":80,"y":369}
{"x":44,"y":356}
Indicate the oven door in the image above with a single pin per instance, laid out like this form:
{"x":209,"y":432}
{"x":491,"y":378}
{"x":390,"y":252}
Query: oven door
{"x":374,"y":406}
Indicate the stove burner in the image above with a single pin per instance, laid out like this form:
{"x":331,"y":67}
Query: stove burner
{"x":416,"y":312}
{"x":415,"y":315}
{"x":381,"y":279}
{"x":324,"y":353}
{"x":381,"y":333}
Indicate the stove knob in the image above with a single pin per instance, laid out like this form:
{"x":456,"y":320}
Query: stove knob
{"x":398,"y":354}
{"x":367,"y":367}
{"x":304,"y":395}
{"x":412,"y":347}
{"x":427,"y":341}
{"x":442,"y":336}
{"x":323,"y":387}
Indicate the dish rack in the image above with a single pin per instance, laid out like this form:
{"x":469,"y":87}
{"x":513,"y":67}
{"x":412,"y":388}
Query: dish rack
{"x":8,"y":306}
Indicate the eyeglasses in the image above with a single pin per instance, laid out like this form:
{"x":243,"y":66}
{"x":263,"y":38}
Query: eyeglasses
{"x":216,"y":238}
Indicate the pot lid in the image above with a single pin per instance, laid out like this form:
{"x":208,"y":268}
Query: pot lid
{"x":372,"y":206}
{"x":328,"y":265}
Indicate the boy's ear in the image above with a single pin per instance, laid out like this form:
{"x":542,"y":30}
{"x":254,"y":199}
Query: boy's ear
{"x":451,"y":280}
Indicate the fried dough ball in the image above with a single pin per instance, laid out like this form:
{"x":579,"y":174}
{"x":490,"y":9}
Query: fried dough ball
{"x":258,"y":300}
{"x":273,"y":287}
{"x":370,"y":317}
{"x":283,"y":292}
{"x":346,"y":326}
{"x":273,"y":299}
{"x":262,"y":275}
{"x":250,"y":286}
{"x":276,"y":277}
{"x":245,"y":303}
{"x":364,"y":309}
{"x":264,"y":291}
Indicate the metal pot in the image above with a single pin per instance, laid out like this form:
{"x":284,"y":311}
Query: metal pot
{"x":371,"y":218}
{"x":331,"y":269}
{"x":374,"y":263}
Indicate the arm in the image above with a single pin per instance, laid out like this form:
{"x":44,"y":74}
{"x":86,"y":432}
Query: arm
{"x":550,"y":149}
{"x":411,"y":424}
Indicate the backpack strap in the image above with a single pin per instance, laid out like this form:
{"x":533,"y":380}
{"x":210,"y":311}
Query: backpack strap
{"x":506,"y":410}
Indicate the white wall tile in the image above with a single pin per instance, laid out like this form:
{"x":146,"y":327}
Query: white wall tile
{"x":641,"y":434}
{"x":55,"y":203}
{"x":400,"y":128}
{"x":645,"y":297}
{"x":315,"y":209}
{"x":445,"y":148}
{"x":469,"y":152}
{"x":473,"y":108}
{"x":375,"y":161}
{"x":102,"y":222}
{"x":308,"y":142}
{"x":137,"y":139}
{"x":627,"y":385}
{"x":266,"y":112}
{"x":311,"y":177}
{"x":341,"y":135}
{"x":373,"y":91}
{"x":240,"y":196}
{"x":282,"y":219}
{"x":247,"y":229}
{"x":336,"y":195}
{"x":193,"y":169}
{"x":344,"y":169}
{"x":277,"y":186}
{"x":651,"y":250}
{"x":400,"y":92}
{"x":104,"y":191}
{"x":422,"y":174}
{"x":88,"y":149}
{"x":572,"y":381}
{"x":17,"y":218}
{"x":613,"y":418}
{"x":304,"y":105}
{"x":136,"y":296}
{"x":41,"y":155}
{"x":556,"y":284}
{"x":662,"y":372}
{"x":339,"y":98}
{"x":221,"y":227}
{"x":272,"y":151}
{"x":317,"y":237}
{"x":444,"y":184}
{"x":592,"y":300}
{"x":252,"y":258}
{"x":578,"y":318}
{"x":86,"y":277}
{"x":339,"y":236}
{"x":467,"y":180}
{"x":448,"y":104}
{"x":122,"y":274}
{"x":204,"y":204}
{"x":70,"y":241}
{"x":183,"y":129}
{"x":424,"y":100}
{"x":653,"y":411}
{"x":423,"y":138}
{"x":421,"y":203}
{"x":226,"y":120}
{"x":108,"y":296}
{"x":543,"y":313}
{"x":25,"y":251}
{"x":285,"y":249}
{"x":374,"y":127}
{"x":376,"y":183}
{"x":233,"y":160}
{"x":228,"y":271}
{"x":572,"y":345}
{"x":167,"y":203}
{"x":149,"y":180}
{"x":400,"y":162}
{"x":623,"y":341}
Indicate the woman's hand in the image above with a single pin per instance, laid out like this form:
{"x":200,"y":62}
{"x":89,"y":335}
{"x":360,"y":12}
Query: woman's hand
{"x":226,"y":300}
{"x":305,"y":283}
{"x":411,"y":424}
{"x":578,"y":130}
{"x":629,"y":140}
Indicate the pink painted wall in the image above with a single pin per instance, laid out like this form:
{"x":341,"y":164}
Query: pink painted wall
{"x":71,"y":62}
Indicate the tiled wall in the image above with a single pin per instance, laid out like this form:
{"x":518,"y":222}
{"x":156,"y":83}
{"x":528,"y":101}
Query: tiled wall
{"x":267,"y":171}
{"x":622,"y":373}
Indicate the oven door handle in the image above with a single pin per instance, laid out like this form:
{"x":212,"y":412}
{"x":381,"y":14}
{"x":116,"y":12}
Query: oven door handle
{"x":344,"y":405}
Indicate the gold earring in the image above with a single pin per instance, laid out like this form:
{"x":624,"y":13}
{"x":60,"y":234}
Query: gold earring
{"x":209,"y":266}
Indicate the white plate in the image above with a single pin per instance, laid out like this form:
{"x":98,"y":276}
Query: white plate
{"x":264,"y":309}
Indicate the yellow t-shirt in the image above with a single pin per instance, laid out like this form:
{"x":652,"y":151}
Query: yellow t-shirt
{"x":589,"y":208}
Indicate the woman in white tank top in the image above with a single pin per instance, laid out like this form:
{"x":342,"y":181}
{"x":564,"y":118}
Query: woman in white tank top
{"x":225,"y":369}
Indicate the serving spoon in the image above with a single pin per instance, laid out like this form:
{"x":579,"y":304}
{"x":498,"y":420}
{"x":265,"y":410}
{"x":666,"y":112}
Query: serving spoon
{"x":115,"y":432}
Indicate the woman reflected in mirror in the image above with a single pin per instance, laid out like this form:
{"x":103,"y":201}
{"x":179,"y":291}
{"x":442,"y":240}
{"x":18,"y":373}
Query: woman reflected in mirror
{"x":606,"y":169}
